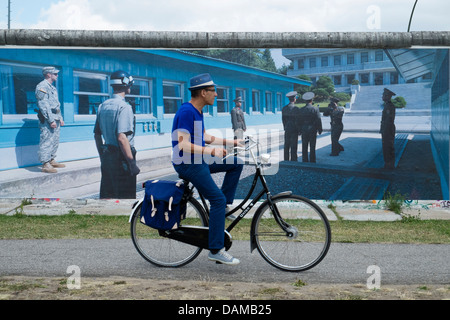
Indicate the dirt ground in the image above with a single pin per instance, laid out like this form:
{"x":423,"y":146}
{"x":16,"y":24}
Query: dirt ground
{"x":29,"y":288}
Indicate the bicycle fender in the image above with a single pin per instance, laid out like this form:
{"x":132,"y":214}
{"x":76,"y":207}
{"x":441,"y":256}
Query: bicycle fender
{"x":134,"y":207}
{"x":282,"y":194}
{"x":265,"y":203}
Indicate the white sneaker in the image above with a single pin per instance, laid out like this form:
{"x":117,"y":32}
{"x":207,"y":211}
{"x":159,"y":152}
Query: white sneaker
{"x":223,"y":257}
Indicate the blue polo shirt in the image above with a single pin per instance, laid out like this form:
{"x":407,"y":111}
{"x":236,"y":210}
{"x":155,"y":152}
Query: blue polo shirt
{"x":188,"y":119}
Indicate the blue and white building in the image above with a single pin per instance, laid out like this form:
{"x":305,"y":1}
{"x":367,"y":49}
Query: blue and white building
{"x":371,"y":67}
{"x":162,"y":78}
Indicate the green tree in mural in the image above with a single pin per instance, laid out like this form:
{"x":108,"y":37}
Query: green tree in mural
{"x":326,"y":83}
{"x":301,"y":89}
{"x":267,"y":61}
{"x":256,"y":58}
{"x":321,"y":94}
{"x":399,"y":102}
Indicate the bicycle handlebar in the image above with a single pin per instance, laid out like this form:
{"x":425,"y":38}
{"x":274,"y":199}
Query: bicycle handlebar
{"x":247,"y":147}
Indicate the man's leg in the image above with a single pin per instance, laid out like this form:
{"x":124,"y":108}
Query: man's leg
{"x":294,"y":155}
{"x":55,"y":139}
{"x":389,"y":152}
{"x":46,"y":147}
{"x":45,"y":143}
{"x":334,"y":143}
{"x":286,"y":147}
{"x":231,"y":180}
{"x":305,"y":143}
{"x":338,"y":136}
{"x":312,"y":152}
{"x":200,"y":177}
{"x":109,"y":166}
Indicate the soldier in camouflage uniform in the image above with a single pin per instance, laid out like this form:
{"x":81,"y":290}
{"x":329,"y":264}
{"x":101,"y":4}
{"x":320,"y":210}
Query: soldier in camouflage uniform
{"x":336,"y":113}
{"x":50,"y":120}
{"x":387,"y":129}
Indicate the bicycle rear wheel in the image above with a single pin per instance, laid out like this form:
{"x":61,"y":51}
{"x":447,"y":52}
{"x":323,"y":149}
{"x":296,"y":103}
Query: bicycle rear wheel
{"x":304,"y":246}
{"x":162,"y":251}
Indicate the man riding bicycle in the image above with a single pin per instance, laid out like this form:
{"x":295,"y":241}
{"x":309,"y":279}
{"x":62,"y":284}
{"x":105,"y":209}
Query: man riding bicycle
{"x":195,"y":162}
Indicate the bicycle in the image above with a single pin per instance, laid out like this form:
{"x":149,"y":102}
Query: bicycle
{"x":291,"y":232}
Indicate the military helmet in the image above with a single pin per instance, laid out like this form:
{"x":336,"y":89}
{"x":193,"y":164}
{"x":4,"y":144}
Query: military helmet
{"x":121,"y":78}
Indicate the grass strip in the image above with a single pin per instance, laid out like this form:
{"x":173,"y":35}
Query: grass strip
{"x":76,"y":226}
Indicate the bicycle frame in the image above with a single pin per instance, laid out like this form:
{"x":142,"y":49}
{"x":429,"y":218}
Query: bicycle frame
{"x":246,"y":208}
{"x":258,"y":176}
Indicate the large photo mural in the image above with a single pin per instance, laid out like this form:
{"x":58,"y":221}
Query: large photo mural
{"x":380,"y":126}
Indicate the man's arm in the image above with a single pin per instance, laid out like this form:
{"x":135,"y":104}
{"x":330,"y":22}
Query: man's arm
{"x":233,"y":119}
{"x":43,"y":103}
{"x":98,"y":138}
{"x":185,"y":145}
{"x":243,"y":121}
{"x":319,"y":122}
{"x":219,"y":141}
{"x":98,"y":143}
{"x":125,"y":147}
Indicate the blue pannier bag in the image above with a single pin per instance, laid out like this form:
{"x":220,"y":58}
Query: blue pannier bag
{"x":163,"y":208}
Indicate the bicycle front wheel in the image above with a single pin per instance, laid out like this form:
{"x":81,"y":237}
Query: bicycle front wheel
{"x":162,"y":251}
{"x":305,"y":243}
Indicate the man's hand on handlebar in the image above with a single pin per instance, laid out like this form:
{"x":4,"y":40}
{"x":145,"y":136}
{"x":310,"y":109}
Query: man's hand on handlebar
{"x":218,"y":152}
{"x":240,"y":142}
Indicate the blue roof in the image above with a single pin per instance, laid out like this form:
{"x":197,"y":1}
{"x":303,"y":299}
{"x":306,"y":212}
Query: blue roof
{"x":219,"y":63}
{"x":412,"y":63}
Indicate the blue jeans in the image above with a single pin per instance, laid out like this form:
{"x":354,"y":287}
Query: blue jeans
{"x":200,"y":176}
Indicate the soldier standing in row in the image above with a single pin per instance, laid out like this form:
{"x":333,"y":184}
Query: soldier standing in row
{"x":387,"y":129}
{"x":115,"y":123}
{"x":310,"y":124}
{"x":336,"y":113}
{"x":50,"y":120}
{"x":289,"y":115}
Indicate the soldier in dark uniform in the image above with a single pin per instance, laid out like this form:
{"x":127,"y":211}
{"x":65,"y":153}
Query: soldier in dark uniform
{"x":238,"y":119}
{"x":387,"y":129}
{"x":311,"y":124}
{"x":114,"y":137}
{"x":289,"y":115}
{"x":335,"y":112}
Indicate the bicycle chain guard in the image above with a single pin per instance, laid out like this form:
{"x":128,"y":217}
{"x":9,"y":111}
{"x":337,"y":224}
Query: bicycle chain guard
{"x":194,"y":235}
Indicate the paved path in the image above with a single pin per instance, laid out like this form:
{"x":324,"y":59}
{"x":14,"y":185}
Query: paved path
{"x":345,"y":263}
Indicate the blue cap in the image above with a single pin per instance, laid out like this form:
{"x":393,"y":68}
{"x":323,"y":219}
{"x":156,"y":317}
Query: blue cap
{"x":201,"y":81}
